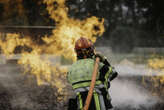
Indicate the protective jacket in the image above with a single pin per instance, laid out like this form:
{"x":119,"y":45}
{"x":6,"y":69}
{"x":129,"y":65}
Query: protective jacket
{"x":80,"y":75}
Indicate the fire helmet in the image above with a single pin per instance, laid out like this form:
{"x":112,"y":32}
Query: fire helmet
{"x":84,"y":48}
{"x":83,"y":43}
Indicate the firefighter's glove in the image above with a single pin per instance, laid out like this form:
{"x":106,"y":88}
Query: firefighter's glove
{"x":114,"y":74}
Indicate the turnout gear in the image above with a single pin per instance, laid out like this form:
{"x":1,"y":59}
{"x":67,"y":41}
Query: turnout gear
{"x":81,"y":71}
{"x":80,"y":75}
{"x":105,"y":68}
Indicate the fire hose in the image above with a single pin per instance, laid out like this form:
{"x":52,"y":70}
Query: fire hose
{"x":92,"y":85}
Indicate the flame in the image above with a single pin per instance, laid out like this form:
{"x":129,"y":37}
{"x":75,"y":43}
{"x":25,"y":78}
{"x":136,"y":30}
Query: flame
{"x":156,"y":81}
{"x":9,"y":42}
{"x":158,"y":64}
{"x":68,"y":30}
{"x":60,"y":43}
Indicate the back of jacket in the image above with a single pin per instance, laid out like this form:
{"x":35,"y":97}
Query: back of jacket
{"x":82,"y":70}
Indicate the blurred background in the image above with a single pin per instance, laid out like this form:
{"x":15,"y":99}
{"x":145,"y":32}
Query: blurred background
{"x":133,"y":42}
{"x":140,"y":23}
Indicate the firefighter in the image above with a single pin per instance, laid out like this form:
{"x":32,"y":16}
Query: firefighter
{"x":80,"y":75}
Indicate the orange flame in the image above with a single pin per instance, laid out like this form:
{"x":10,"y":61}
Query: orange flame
{"x":61,"y":42}
{"x":68,"y":30}
{"x":157,"y":63}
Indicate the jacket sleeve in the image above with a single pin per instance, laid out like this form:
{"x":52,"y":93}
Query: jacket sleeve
{"x":103,"y":59}
{"x":107,"y":71}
